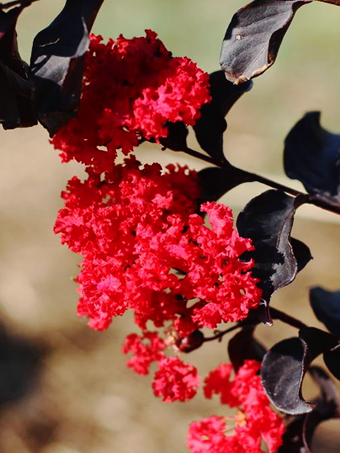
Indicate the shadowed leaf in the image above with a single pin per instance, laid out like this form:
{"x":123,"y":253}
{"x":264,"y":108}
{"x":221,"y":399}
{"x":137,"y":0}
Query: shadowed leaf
{"x":57,"y":63}
{"x":215,"y":182}
{"x":332,"y":360}
{"x":326,"y":306}
{"x":254,"y":36}
{"x":301,"y":252}
{"x":210,"y":126}
{"x":312,"y":155}
{"x":268,"y":219}
{"x":284,"y":367}
{"x":15,"y":91}
{"x":176,"y":139}
{"x":243,"y":346}
{"x":299,"y":432}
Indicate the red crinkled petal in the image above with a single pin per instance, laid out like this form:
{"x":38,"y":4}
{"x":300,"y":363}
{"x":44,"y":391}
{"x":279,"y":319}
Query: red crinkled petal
{"x":131,"y":89}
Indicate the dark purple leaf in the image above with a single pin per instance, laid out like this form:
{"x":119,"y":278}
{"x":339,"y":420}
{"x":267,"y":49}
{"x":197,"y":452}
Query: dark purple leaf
{"x":176,"y":139}
{"x":57,"y":63}
{"x":254,"y":36}
{"x":298,"y":435}
{"x":327,"y":405}
{"x":329,"y":398}
{"x":215,"y":182}
{"x":268,"y":219}
{"x":332,"y":360}
{"x":243,"y":346}
{"x":312,"y":155}
{"x":284,"y":367}
{"x":326,"y":306}
{"x":15,"y":90}
{"x":301,"y":252}
{"x":210,"y":126}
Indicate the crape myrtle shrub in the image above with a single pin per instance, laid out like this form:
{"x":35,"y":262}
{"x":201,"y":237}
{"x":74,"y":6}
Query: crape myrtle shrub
{"x":141,"y":229}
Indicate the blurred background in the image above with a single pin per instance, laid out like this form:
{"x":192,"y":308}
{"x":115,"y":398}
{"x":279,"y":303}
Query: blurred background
{"x":65,"y":388}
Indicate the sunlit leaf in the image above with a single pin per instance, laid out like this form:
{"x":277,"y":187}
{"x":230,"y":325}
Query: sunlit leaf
{"x":254,"y":36}
{"x":285,"y":365}
{"x":268,"y":219}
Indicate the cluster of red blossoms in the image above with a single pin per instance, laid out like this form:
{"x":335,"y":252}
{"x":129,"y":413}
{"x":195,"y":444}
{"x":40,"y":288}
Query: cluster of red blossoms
{"x":131,"y":89}
{"x":254,"y":421}
{"x":140,"y":230}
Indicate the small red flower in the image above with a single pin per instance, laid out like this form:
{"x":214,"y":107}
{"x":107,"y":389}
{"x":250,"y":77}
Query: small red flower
{"x":146,"y":349}
{"x":175,"y":380}
{"x":208,"y":436}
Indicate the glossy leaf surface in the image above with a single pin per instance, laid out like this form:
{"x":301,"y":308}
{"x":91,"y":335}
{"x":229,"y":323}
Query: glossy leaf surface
{"x":254,"y":36}
{"x":268,"y":219}
{"x":284,"y":367}
{"x":300,"y":429}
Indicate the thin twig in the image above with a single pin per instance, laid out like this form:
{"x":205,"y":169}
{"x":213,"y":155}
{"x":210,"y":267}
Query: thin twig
{"x":280,"y":315}
{"x":221,"y":334}
{"x":245,"y":323}
{"x":252,"y":177}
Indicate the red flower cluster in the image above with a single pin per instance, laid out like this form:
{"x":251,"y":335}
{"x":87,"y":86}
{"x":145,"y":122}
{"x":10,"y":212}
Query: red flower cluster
{"x":175,"y":380}
{"x":136,"y":229}
{"x":255,"y":420}
{"x":131,"y":89}
{"x":144,"y":246}
{"x":145,"y":350}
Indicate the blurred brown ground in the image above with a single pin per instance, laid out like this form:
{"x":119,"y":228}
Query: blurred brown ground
{"x":72,"y":390}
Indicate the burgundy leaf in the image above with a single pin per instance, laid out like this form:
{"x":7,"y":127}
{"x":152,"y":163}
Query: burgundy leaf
{"x":301,"y":252}
{"x":57,"y":62}
{"x":254,"y":36}
{"x":268,"y":219}
{"x":285,"y":365}
{"x":243,"y":346}
{"x":176,"y":140}
{"x":15,"y":91}
{"x":215,"y":182}
{"x":332,"y":360}
{"x":209,"y":128}
{"x":312,"y":155}
{"x":326,"y":306}
{"x":300,"y":429}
